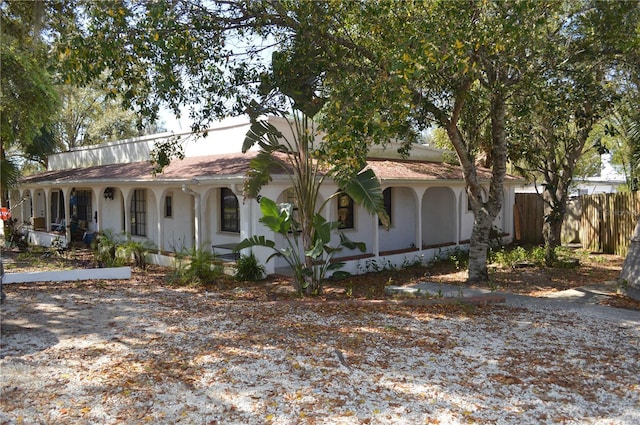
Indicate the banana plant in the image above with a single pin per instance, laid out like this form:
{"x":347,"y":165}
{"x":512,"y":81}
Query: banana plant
{"x":308,"y":275}
{"x":298,"y":156}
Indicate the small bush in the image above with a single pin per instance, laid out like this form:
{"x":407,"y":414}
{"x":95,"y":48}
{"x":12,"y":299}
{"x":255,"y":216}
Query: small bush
{"x":136,"y":250}
{"x":196,"y":266}
{"x":507,"y":257}
{"x":249,"y":269}
{"x":115,"y":250}
{"x":104,"y":249}
{"x":459,"y":258}
{"x":537,"y":254}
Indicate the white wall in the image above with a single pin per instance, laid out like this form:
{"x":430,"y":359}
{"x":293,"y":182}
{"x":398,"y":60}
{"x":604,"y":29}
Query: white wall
{"x":439,"y":216}
{"x":111,"y":214}
{"x":402,"y":232}
{"x":178,"y":232}
{"x":130,"y":150}
{"x":39,"y":205}
{"x":224,"y":138}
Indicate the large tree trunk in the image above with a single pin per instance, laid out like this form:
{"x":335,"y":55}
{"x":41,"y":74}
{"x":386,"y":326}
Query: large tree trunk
{"x":484,"y":212}
{"x":479,"y":242}
{"x":552,"y":232}
{"x":478,"y":248}
{"x":554,"y":211}
{"x":630,"y":275}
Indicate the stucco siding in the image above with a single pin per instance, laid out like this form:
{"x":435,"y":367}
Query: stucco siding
{"x":439,"y":216}
{"x":402,"y":232}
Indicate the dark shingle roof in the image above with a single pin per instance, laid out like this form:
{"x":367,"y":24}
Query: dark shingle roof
{"x":228,"y":165}
{"x":185,"y":169}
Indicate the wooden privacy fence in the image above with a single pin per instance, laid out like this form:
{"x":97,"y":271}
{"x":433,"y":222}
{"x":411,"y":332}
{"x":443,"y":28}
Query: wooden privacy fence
{"x":608,"y":221}
{"x":603,"y":222}
{"x":528,"y":218}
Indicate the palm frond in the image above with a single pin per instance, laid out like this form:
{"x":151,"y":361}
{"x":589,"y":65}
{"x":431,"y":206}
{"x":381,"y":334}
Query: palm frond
{"x":365,"y":190}
{"x":9,"y":174}
{"x":259,"y":174}
{"x":265,"y":135}
{"x":255,"y":241}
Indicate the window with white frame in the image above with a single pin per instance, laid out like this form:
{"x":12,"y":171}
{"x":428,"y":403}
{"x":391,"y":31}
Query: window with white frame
{"x":138,"y":211}
{"x":168,"y":205}
{"x":229,"y":211}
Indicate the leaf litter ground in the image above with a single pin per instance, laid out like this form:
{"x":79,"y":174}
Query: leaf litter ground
{"x":142,"y":351}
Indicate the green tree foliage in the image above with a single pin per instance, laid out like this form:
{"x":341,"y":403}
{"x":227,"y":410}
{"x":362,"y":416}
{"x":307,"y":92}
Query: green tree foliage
{"x":87,"y":116}
{"x":27,"y":97}
{"x":173,"y":53}
{"x":371,"y":71}
{"x":398,"y":67}
{"x":557,"y":113}
{"x":200,"y":56}
{"x":39,"y":114}
{"x":621,"y":129}
{"x":620,"y":134}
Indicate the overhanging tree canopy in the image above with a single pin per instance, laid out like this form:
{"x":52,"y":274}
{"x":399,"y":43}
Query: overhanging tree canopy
{"x":27,"y":97}
{"x":376,"y":70}
{"x":393,"y":69}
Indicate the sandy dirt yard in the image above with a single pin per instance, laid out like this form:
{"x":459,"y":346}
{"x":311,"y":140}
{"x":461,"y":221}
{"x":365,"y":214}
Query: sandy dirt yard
{"x":136,"y":352}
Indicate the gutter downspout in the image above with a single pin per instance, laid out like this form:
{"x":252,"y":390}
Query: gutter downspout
{"x":197,"y":213}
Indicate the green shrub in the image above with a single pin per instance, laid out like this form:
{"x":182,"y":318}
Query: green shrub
{"x":248,"y":268}
{"x":537,"y":255}
{"x":196,"y":266}
{"x":136,"y":250}
{"x":115,"y":250}
{"x":507,"y":257}
{"x":104,"y":249}
{"x":459,"y":258}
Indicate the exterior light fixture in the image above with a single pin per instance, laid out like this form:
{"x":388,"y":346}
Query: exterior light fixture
{"x":108,"y":193}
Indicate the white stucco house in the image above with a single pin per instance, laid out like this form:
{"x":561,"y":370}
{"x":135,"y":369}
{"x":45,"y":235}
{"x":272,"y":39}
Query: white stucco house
{"x":198,"y":201}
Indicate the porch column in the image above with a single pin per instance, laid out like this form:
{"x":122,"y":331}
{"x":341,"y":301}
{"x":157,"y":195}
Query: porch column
{"x":99,"y":200}
{"x":67,"y":213}
{"x":159,"y":207}
{"x":32,"y":200}
{"x":47,"y":209}
{"x":197,"y":219}
{"x":376,"y":235}
{"x":127,"y":211}
{"x":246,"y":230}
{"x":419,"y":218}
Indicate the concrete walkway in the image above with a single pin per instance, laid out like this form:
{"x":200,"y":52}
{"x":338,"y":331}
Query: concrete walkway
{"x":582,"y":300}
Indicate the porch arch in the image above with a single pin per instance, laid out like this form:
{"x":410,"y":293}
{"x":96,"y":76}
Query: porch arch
{"x":438,"y":217}
{"x":402,"y":231}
